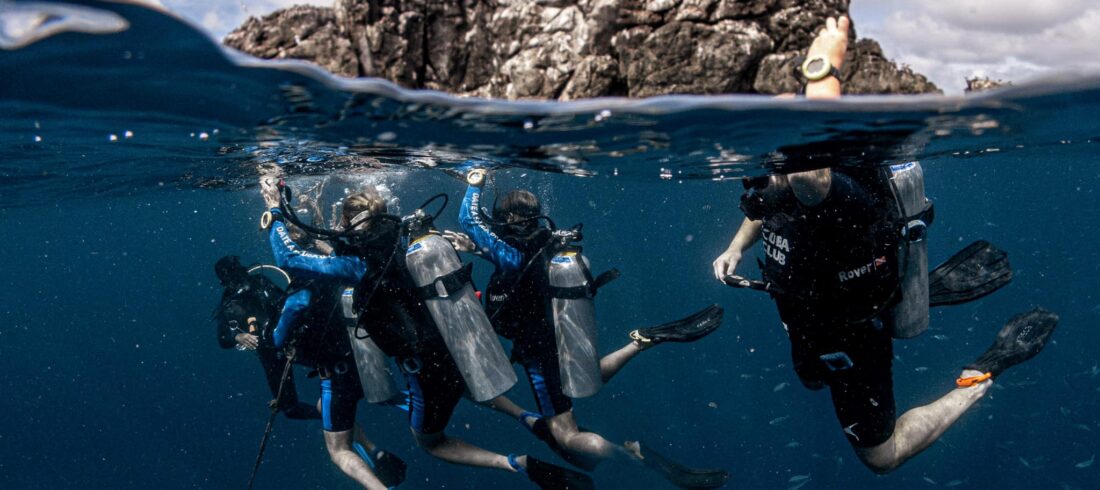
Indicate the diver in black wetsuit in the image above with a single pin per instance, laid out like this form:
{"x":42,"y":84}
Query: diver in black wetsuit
{"x":832,"y":270}
{"x":392,"y":311}
{"x":246,"y":316}
{"x":520,"y":301}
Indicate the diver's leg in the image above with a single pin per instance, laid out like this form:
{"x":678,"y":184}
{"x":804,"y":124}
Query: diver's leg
{"x":590,"y":447}
{"x":457,"y":451}
{"x":611,"y":364}
{"x":919,"y":427}
{"x":435,"y":391}
{"x":349,"y":461}
{"x":338,"y":407}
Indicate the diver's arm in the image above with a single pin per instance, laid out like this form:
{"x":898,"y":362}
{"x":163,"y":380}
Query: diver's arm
{"x":289,"y":255}
{"x":293,"y":310}
{"x":226,"y":337}
{"x":831,"y":43}
{"x":746,"y":236}
{"x":490,"y":246}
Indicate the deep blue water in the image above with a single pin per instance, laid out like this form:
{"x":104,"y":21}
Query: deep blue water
{"x":112,"y":378}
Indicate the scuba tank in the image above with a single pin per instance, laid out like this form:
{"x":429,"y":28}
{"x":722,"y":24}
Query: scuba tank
{"x":909,"y":317}
{"x":444,"y":286}
{"x":574,"y":315}
{"x":374,"y":373}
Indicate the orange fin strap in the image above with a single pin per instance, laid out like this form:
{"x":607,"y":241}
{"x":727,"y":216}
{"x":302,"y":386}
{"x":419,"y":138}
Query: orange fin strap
{"x":972,"y":380}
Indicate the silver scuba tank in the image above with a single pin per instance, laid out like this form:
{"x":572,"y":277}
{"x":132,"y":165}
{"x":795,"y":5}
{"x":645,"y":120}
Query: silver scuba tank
{"x":910,"y":316}
{"x":574,"y":317}
{"x":434,"y":266}
{"x":374,"y":371}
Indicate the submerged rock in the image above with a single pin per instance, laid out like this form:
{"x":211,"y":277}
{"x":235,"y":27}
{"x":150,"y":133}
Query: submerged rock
{"x":570,"y":49}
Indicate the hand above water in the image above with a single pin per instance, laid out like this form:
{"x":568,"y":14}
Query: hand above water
{"x":832,"y":41}
{"x":269,"y":184}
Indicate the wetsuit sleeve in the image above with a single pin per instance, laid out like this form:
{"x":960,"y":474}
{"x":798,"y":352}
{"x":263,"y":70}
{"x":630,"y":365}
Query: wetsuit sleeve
{"x":289,"y":255}
{"x":291,"y":318}
{"x":504,"y":256}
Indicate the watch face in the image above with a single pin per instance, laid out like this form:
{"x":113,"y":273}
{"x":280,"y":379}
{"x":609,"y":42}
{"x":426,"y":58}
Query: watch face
{"x":815,"y":68}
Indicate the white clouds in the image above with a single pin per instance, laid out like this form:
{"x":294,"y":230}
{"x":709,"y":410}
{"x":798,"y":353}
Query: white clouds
{"x":1008,"y":39}
{"x":218,"y":17}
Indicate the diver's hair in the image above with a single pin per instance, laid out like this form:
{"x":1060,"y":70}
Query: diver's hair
{"x":369,"y":200}
{"x":517,"y":205}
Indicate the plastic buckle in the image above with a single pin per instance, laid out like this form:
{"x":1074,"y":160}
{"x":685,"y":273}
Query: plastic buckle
{"x":440,"y":287}
{"x":410,"y":365}
{"x":914,"y":231}
{"x":340,"y":368}
{"x":837,"y":361}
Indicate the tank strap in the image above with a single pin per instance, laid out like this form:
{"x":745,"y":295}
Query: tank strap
{"x":588,"y":289}
{"x":447,"y":284}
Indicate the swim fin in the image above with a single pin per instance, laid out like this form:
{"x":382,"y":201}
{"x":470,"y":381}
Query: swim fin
{"x":389,"y":468}
{"x":972,"y":273}
{"x":553,"y":477}
{"x":689,"y":329}
{"x":1021,"y":339}
{"x":682,"y":476}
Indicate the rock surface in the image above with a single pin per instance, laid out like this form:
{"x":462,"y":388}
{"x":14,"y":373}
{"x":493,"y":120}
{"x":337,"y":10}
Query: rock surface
{"x":570,"y":49}
{"x":980,"y":84}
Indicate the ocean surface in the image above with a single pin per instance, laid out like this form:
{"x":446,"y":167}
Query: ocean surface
{"x":129,"y":142}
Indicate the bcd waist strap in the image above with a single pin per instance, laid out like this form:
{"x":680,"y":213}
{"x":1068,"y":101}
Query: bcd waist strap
{"x":447,"y":284}
{"x":588,"y":289}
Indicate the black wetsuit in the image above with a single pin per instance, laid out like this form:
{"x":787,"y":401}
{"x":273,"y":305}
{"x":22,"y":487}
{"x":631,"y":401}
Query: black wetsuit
{"x":254,"y":308}
{"x":837,"y":264}
{"x":396,"y":318}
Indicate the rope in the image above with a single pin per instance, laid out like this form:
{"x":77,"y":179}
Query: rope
{"x":271,"y":419}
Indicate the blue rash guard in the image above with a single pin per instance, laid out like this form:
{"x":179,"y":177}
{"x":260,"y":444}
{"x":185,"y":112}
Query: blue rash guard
{"x":506,"y":257}
{"x":300,"y":263}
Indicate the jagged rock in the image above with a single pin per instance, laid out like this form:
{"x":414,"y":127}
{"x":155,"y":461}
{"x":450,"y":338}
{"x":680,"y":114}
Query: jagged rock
{"x":305,"y":33}
{"x":569,"y":49}
{"x":979,"y":84}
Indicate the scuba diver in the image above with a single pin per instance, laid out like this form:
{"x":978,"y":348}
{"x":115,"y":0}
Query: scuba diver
{"x":841,"y":271}
{"x":415,"y":302}
{"x":313,"y":332}
{"x":245,"y":316}
{"x":540,"y":296}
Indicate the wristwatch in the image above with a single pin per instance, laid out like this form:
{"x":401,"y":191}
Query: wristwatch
{"x":818,"y":68}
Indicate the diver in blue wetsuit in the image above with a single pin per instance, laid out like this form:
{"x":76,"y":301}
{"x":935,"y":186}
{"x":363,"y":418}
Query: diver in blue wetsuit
{"x":526,"y":306}
{"x":245,"y":317}
{"x":394,"y":315}
{"x":311,"y":326}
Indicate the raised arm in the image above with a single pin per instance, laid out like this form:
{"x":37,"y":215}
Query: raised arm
{"x":289,"y":255}
{"x":490,"y":246}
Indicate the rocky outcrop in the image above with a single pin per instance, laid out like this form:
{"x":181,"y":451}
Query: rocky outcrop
{"x":570,"y":49}
{"x":980,"y":84}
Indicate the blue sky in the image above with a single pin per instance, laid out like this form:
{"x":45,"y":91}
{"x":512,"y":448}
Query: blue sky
{"x":946,"y":40}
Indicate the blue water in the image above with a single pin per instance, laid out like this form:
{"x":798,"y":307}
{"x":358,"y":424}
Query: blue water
{"x":111,"y":376}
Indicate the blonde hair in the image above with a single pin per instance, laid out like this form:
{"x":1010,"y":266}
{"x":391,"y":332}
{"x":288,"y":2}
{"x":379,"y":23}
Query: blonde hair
{"x":369,"y":201}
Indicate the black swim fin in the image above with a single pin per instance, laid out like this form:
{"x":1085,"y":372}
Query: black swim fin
{"x":553,"y":477}
{"x":682,"y":476}
{"x":973,"y":272}
{"x":689,"y":329}
{"x":389,"y":469}
{"x":1021,"y":339}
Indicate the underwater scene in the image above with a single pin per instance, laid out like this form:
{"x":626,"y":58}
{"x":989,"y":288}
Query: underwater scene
{"x":137,"y":154}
